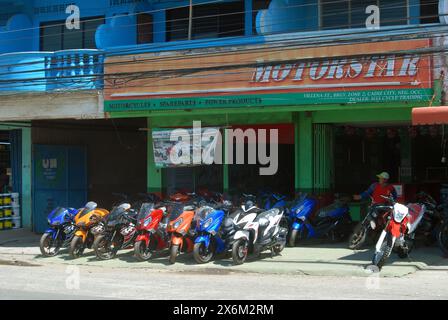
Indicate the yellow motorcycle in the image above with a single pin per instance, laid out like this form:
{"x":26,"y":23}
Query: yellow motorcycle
{"x":86,"y":220}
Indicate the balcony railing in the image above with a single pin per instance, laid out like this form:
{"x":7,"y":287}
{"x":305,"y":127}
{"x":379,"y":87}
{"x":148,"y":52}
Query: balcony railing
{"x":51,"y":71}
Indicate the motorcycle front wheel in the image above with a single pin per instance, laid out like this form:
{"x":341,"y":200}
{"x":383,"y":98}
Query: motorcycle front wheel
{"x":141,"y":251}
{"x":239,"y":251}
{"x":202,"y":254}
{"x":358,"y":237}
{"x":103,"y":247}
{"x":386,"y":249}
{"x":49,"y":247}
{"x":174,"y":250}
{"x":76,"y":247}
{"x":443,"y":238}
{"x":293,"y":237}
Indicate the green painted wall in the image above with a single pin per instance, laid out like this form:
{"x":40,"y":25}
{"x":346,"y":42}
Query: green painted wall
{"x":154,"y":174}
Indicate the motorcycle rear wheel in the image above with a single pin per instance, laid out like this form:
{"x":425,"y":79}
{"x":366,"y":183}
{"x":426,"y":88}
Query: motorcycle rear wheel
{"x":358,"y":237}
{"x":202,"y":254}
{"x":141,"y":251}
{"x":174,"y":250}
{"x":76,"y":247}
{"x":103,"y":248}
{"x":46,"y":243}
{"x":239,"y":251}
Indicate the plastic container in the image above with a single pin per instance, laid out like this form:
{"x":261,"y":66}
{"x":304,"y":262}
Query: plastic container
{"x":7,"y":224}
{"x":7,"y":212}
{"x":7,"y":200}
{"x":2,"y":214}
{"x":2,"y":224}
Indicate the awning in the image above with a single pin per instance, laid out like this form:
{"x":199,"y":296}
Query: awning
{"x":429,"y":115}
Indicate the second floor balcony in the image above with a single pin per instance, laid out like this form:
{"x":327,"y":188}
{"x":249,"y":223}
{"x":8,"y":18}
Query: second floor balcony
{"x":51,"y":71}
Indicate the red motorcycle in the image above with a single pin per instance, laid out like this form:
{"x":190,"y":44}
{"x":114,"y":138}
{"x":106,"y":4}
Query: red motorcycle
{"x":152,"y":221}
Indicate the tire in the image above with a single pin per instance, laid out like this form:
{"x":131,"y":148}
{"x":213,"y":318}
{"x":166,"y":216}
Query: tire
{"x":141,"y":251}
{"x":358,"y":237}
{"x":239,"y":251}
{"x":46,"y":242}
{"x":76,"y":247}
{"x":385,"y":251}
{"x":443,"y":238}
{"x":103,"y":249}
{"x":174,"y":250}
{"x":403,"y":253}
{"x":201,"y":254}
{"x":293,"y":238}
{"x":278,"y":248}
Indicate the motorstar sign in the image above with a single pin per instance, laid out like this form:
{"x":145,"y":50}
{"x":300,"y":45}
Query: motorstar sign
{"x":353,"y":73}
{"x":327,"y":70}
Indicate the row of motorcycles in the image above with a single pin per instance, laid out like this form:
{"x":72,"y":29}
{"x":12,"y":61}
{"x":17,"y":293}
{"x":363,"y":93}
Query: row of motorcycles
{"x":205,"y":225}
{"x":208,"y":225}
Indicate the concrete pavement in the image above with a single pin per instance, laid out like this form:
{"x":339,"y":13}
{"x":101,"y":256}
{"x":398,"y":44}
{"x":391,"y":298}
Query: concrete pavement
{"x":21,"y":247}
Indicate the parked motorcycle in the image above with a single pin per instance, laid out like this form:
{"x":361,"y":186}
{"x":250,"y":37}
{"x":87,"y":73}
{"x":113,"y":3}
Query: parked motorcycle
{"x":433,"y":219}
{"x":269,"y":200}
{"x":182,"y":211}
{"x":152,"y":222}
{"x":399,"y":232}
{"x":375,"y":220}
{"x":87,"y":222}
{"x":209,"y":241}
{"x":118,"y":232}
{"x":61,"y":232}
{"x":258,"y":231}
{"x":332,"y":222}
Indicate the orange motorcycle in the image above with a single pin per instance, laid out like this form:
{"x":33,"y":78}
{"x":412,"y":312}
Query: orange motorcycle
{"x":86,"y":220}
{"x":182,"y":212}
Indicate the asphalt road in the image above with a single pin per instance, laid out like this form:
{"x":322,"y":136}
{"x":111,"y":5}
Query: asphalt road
{"x":89,"y":282}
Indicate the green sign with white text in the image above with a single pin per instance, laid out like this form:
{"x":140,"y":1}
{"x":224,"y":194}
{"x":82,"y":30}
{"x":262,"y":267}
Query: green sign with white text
{"x":277,"y":99}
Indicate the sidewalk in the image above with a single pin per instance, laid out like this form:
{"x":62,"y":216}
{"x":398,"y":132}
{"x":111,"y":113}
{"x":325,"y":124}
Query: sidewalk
{"x":22,"y":247}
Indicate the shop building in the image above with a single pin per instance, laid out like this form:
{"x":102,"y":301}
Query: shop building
{"x":340,"y":95}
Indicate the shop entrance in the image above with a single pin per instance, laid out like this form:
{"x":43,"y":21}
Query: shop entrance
{"x":10,"y":179}
{"x":246,"y":178}
{"x":411,"y":155}
{"x":113,"y":161}
{"x":363,"y":152}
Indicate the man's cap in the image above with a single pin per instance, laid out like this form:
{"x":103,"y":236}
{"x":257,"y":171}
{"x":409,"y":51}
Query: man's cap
{"x":384,"y":175}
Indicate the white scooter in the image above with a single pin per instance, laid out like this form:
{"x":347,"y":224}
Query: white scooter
{"x":258,"y":230}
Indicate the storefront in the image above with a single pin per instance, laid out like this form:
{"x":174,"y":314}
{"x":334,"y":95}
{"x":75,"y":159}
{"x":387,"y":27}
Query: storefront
{"x":15,"y":176}
{"x":343,"y":116}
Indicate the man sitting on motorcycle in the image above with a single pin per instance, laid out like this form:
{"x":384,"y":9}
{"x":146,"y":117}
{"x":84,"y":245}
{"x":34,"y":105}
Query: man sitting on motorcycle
{"x":379,"y":189}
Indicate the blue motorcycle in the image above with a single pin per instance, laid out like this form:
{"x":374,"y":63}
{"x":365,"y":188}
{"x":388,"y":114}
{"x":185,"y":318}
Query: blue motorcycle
{"x":273,"y":200}
{"x":209,"y":236}
{"x":61,"y":231}
{"x":333,"y":222}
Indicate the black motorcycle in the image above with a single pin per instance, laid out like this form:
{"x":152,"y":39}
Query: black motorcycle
{"x":118,"y":232}
{"x":372,"y":224}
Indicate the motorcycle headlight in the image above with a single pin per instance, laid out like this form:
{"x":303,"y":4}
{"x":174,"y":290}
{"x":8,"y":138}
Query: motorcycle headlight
{"x":177,"y":223}
{"x":56,"y":223}
{"x":147,"y":221}
{"x":207,"y":223}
